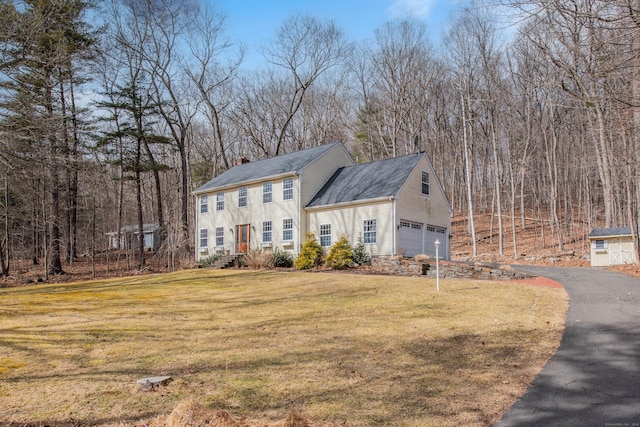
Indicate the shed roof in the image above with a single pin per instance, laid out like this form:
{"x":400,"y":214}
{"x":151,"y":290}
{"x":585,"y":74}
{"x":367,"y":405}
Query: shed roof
{"x":610,"y":232}
{"x":366,"y":181}
{"x":279,"y":165}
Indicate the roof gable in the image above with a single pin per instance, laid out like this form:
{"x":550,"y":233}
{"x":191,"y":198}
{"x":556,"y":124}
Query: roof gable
{"x":366,"y":181}
{"x":260,"y":169}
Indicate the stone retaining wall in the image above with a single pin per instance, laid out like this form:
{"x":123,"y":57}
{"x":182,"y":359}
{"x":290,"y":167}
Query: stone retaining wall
{"x":448,"y":269}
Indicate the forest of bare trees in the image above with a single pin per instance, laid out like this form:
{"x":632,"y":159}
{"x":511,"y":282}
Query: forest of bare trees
{"x":112,"y":112}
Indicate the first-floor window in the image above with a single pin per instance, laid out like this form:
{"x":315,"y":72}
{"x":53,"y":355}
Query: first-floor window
{"x":370,"y":232}
{"x":203,"y":237}
{"x":219,"y":236}
{"x":287,"y":229}
{"x":600,"y":244}
{"x":325,"y":235}
{"x":266,"y":231}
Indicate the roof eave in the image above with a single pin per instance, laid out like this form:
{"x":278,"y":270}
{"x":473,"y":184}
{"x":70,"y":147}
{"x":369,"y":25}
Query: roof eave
{"x":243,"y":183}
{"x":351,"y":202}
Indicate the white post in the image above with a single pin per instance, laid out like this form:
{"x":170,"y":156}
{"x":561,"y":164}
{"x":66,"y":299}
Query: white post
{"x":437,"y":243}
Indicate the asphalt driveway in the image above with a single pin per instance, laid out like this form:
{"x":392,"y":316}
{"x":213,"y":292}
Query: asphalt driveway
{"x":594,"y":378}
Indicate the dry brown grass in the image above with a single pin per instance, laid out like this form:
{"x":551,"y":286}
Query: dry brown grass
{"x":257,"y":347}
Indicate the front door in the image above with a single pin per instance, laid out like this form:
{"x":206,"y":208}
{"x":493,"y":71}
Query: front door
{"x":242,"y":238}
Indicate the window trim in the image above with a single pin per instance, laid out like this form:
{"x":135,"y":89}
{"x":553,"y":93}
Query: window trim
{"x":287,"y":189}
{"x":241,"y":197}
{"x":424,"y":183}
{"x":204,"y":238}
{"x":204,"y":203}
{"x":267,"y":231}
{"x":265,"y":192}
{"x":219,"y":234}
{"x":324,"y":235}
{"x":370,"y":229}
{"x":220,"y":201}
{"x":287,"y":222}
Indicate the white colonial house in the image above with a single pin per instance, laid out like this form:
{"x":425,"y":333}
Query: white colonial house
{"x":396,"y":206}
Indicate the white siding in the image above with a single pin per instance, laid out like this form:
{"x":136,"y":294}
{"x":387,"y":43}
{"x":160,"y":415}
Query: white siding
{"x":617,"y":250}
{"x":255,"y":213}
{"x":316,"y":174}
{"x":412,"y":205}
{"x":313,"y":178}
{"x":349,"y":222}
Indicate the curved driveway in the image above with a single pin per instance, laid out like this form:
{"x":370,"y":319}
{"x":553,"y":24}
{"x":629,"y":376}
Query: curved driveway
{"x":594,"y":378}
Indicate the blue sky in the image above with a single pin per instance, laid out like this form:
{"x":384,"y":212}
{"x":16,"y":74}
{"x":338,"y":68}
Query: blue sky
{"x":254,"y":22}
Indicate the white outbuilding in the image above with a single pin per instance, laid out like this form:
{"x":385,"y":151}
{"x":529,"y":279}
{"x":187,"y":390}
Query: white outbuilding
{"x":612,"y":246}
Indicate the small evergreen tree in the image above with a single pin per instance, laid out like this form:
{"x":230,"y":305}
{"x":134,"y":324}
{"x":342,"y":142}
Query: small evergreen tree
{"x":310,"y":255}
{"x":282,"y":258}
{"x":360,"y":254}
{"x":340,"y":255}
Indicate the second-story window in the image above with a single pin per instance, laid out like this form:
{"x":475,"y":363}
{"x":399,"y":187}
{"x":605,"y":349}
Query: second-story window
{"x":242,"y":197}
{"x":287,"y":189}
{"x":220,"y":201}
{"x":267,"y":192}
{"x":204,"y":204}
{"x":425,"y":183}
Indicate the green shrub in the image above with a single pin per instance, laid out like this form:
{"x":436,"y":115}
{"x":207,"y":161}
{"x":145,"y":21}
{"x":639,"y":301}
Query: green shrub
{"x":360,"y":254}
{"x":258,"y":259}
{"x":340,"y":255}
{"x":310,"y":254}
{"x":282,"y":258}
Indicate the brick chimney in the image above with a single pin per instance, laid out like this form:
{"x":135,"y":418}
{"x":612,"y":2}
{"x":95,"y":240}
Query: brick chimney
{"x":241,"y":161}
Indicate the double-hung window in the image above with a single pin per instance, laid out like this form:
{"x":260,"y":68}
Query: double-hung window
{"x":287,"y":189}
{"x":325,"y":235}
{"x":219,"y":236}
{"x":287,"y":229}
{"x":220,"y":201}
{"x":425,"y":183}
{"x":204,"y":234}
{"x":370,"y":231}
{"x":242,"y":197}
{"x":204,"y":204}
{"x":266,"y":232}
{"x":267,"y":192}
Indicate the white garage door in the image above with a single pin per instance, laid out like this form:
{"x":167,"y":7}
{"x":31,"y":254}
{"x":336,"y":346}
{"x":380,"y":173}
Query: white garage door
{"x":436,"y":233}
{"x":410,"y":238}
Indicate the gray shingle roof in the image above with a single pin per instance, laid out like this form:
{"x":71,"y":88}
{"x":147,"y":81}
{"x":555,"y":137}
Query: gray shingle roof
{"x":279,"y":165}
{"x":366,"y":181}
{"x":607,"y":232}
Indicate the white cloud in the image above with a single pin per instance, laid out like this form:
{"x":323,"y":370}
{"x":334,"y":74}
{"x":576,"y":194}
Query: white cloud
{"x":411,"y":8}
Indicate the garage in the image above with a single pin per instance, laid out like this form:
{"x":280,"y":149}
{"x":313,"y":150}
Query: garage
{"x":410,"y":238}
{"x":436,"y":233}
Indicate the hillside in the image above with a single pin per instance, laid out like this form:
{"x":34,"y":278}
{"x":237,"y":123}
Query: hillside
{"x":534,"y":245}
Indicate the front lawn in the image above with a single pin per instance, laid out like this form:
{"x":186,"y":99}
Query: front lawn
{"x":368,"y":350}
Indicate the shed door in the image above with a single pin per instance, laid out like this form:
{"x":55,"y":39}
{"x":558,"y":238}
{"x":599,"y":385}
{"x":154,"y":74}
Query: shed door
{"x":440,"y":234}
{"x":410,"y":238}
{"x":619,"y":254}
